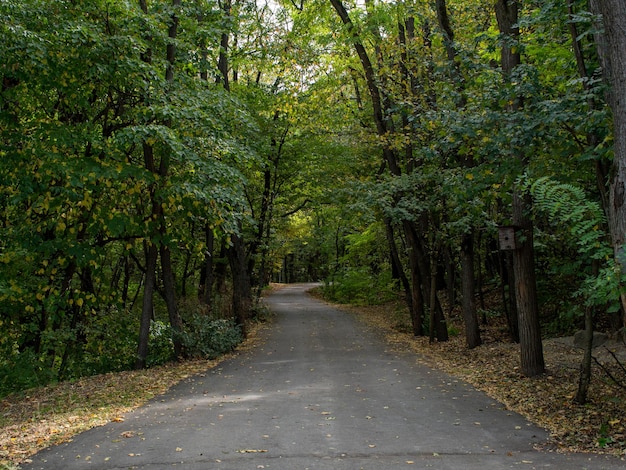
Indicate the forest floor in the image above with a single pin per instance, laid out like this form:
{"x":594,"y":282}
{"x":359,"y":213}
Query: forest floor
{"x":599,"y":426}
{"x":38,"y":418}
{"x":41,"y":417}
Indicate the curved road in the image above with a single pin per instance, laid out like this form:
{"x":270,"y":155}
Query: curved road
{"x":322,"y":392}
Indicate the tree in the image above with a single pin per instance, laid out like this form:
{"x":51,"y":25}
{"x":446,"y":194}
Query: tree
{"x":531,"y":346}
{"x":419,"y":263}
{"x":612,"y":51}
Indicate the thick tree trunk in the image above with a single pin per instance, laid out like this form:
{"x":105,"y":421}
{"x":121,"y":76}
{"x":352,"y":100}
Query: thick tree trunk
{"x":532,"y":362}
{"x":166,"y":259}
{"x":612,"y":50}
{"x":472,"y":332}
{"x":531,"y":346}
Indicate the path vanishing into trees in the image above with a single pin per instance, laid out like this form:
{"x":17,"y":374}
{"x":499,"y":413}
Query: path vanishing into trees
{"x":321,"y":392}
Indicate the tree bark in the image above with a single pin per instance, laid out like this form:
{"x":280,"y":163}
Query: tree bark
{"x":612,"y":51}
{"x":418,"y":262}
{"x":147,"y":308}
{"x":531,"y":347}
{"x":169,"y":285}
{"x":472,"y":332}
{"x":166,"y":259}
{"x":236,"y":253}
{"x":242,"y":289}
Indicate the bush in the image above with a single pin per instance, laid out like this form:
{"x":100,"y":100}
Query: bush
{"x":160,"y":346}
{"x":209,"y":338}
{"x":22,"y":371}
{"x":360,"y":287}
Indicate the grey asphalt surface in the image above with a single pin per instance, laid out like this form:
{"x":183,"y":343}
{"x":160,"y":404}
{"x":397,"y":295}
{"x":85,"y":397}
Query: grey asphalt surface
{"x":320,"y":392}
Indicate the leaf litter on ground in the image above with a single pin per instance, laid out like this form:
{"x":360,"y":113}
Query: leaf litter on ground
{"x":38,"y":418}
{"x":599,"y":426}
{"x":51,"y":415}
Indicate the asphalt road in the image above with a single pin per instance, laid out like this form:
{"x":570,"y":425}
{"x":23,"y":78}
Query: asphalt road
{"x":321,"y":392}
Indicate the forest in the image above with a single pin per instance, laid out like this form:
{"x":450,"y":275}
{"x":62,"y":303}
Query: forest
{"x":163,"y":161}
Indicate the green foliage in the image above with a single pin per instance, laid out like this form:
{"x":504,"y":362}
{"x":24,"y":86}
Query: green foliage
{"x":208,"y":338}
{"x":21,"y":371}
{"x":358,"y":286}
{"x":289,"y":158}
{"x":581,"y":224}
{"x":568,"y":206}
{"x":161,"y":345}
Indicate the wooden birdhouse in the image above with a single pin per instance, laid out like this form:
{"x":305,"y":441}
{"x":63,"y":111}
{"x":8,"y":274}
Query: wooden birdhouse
{"x":506,"y":236}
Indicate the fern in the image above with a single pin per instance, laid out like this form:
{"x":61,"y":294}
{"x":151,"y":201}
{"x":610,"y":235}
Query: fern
{"x":567,"y":205}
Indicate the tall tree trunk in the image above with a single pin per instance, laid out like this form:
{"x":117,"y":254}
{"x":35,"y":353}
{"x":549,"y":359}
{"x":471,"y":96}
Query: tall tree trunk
{"x":236,"y":253}
{"x":419,"y":267}
{"x":612,"y":51}
{"x":242,"y":289}
{"x":147,"y":308}
{"x":166,"y":259}
{"x":151,"y":251}
{"x":461,"y":101}
{"x":157,"y":214}
{"x":472,"y":333}
{"x":222,"y":63}
{"x":169,"y":286}
{"x":531,"y":347}
{"x":417,"y":285}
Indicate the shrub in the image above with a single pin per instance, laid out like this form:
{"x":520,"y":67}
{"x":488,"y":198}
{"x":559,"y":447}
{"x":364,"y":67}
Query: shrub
{"x":360,"y":287}
{"x":209,"y":338}
{"x":21,"y":371}
{"x":161,"y":346}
